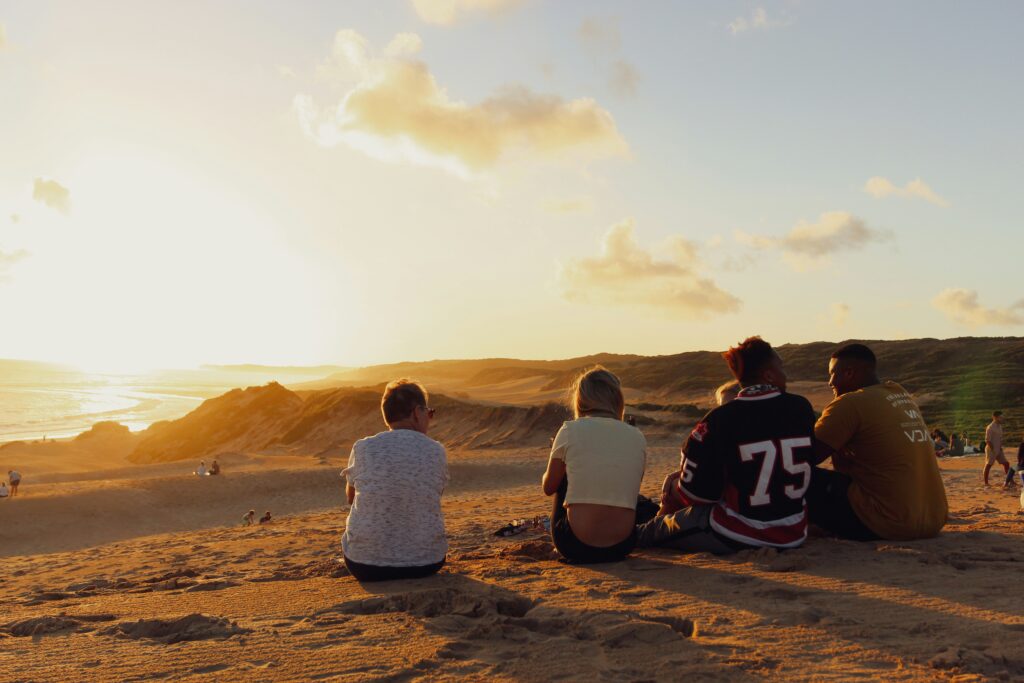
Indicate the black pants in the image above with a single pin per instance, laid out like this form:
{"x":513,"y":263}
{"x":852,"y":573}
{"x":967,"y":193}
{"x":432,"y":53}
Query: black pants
{"x":828,"y":506}
{"x":370,"y":572}
{"x":576,"y":551}
{"x":688,"y":530}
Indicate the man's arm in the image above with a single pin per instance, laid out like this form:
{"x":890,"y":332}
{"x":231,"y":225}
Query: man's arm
{"x":822,"y":452}
{"x":350,"y":493}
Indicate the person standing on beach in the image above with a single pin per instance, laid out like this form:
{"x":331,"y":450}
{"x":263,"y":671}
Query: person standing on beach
{"x":994,"y":445}
{"x":886,"y":481}
{"x":745,"y":466}
{"x":394,"y":482}
{"x":15,"y":478}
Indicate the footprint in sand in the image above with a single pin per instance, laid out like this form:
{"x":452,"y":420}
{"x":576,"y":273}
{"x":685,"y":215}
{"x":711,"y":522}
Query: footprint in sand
{"x":169,"y":631}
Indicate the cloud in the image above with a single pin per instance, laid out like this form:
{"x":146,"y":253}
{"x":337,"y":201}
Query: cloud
{"x":600,"y":35}
{"x":840,"y":313}
{"x":624,"y":79}
{"x":8,"y":259}
{"x":883,"y":187}
{"x":447,"y":12}
{"x":571,"y":205}
{"x":52,"y":194}
{"x":808,"y":245}
{"x":397,"y":112}
{"x":962,"y":307}
{"x":757,"y":21}
{"x":625,"y":274}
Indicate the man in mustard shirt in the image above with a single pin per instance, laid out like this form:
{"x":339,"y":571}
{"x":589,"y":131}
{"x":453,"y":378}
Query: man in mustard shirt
{"x":886,"y":481}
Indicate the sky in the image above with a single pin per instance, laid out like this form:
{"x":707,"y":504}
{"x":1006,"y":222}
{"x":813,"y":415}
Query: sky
{"x":383,"y":180}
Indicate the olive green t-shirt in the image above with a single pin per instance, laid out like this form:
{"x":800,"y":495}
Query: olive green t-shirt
{"x":882,"y":444}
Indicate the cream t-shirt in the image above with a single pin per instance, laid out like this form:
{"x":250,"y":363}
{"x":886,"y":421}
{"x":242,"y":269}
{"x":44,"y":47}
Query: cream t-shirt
{"x":604,"y":461}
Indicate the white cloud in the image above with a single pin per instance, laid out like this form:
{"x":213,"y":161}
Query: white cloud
{"x":397,"y":112}
{"x":52,"y":194}
{"x":962,"y":307}
{"x":8,"y":259}
{"x":839,"y":313}
{"x":808,"y":245}
{"x":757,"y":21}
{"x":447,"y":12}
{"x":624,"y":79}
{"x":625,"y":274}
{"x":883,"y":187}
{"x":569,"y":205}
{"x":600,"y":35}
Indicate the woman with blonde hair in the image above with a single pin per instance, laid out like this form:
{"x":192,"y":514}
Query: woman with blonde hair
{"x":596,"y":465}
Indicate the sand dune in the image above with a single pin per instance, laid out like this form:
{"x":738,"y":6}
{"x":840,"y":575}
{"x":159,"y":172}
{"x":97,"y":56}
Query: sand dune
{"x":221,"y":602}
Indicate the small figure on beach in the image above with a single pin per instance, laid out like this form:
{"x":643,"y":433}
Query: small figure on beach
{"x":1016,"y":469}
{"x":885,"y":481}
{"x":394,"y":482}
{"x":594,"y":472}
{"x":994,"y":446}
{"x":15,"y":478}
{"x":215,"y":468}
{"x":201,"y":470}
{"x":249,"y":518}
{"x":745,"y":466}
{"x":3,"y":490}
{"x":265,"y":518}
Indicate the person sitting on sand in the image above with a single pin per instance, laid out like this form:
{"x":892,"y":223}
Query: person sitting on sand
{"x":249,"y":518}
{"x":15,"y":478}
{"x":745,"y":466}
{"x":994,"y":446}
{"x":886,"y":481}
{"x":395,"y":479}
{"x":265,"y":518}
{"x":956,"y":446}
{"x":597,"y":462}
{"x":1016,"y":469}
{"x":201,"y":471}
{"x":727,"y":392}
{"x":3,"y":490}
{"x":214,"y":468}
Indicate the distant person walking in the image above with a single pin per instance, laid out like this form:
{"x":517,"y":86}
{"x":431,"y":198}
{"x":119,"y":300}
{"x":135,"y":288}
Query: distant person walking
{"x":15,"y":478}
{"x":394,"y":482}
{"x":594,"y":472}
{"x":249,"y":518}
{"x":3,"y":490}
{"x":994,"y":445}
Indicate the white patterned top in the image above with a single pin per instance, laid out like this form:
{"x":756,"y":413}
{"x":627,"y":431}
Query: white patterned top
{"x":396,"y":519}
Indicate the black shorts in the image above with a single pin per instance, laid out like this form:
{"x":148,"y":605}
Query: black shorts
{"x":828,"y":506}
{"x":370,"y":572}
{"x":576,"y":551}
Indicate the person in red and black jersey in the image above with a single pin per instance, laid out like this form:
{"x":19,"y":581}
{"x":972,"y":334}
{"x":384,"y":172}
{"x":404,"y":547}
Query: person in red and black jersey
{"x":745,"y":467}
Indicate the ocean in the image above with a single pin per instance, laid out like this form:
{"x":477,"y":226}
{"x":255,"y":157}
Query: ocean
{"x":43,"y":400}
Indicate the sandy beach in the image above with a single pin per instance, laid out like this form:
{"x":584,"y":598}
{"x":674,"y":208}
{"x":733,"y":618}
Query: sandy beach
{"x":148,"y":576}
